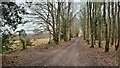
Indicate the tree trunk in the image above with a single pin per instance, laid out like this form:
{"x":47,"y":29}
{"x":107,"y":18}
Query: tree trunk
{"x":58,"y":22}
{"x":87,"y":22}
{"x":109,"y":20}
{"x":99,"y":14}
{"x":118,"y":14}
{"x":91,"y":25}
{"x":106,"y":29}
{"x":113,"y":25}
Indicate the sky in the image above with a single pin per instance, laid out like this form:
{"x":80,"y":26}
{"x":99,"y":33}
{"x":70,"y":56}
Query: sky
{"x":65,"y":0}
{"x":18,"y":1}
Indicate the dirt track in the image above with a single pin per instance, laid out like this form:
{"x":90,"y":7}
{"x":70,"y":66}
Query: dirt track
{"x":70,"y":55}
{"x":74,"y":54}
{"x":64,"y":56}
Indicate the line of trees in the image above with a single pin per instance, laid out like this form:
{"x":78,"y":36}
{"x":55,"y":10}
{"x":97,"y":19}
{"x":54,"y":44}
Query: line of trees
{"x":57,"y":18}
{"x":101,"y":22}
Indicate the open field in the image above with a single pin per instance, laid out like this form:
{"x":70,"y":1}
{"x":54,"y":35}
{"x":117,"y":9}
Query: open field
{"x":36,"y":42}
{"x":39,"y":42}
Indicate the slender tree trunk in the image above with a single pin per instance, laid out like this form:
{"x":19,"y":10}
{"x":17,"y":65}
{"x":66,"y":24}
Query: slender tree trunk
{"x":24,"y":44}
{"x":118,"y":44}
{"x":87,"y":22}
{"x":116,"y":33}
{"x":58,"y":22}
{"x":99,"y":35}
{"x":113,"y":27}
{"x":109,"y":20}
{"x":99,"y":14}
{"x":91,"y":25}
{"x":106,"y":29}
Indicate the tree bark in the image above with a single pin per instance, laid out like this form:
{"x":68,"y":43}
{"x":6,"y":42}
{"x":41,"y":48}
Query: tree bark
{"x":118,"y":44}
{"x":106,"y":29}
{"x":91,"y":25}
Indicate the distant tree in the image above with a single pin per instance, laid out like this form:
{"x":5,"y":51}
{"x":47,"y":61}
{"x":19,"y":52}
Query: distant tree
{"x":22,"y":37}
